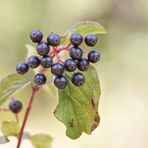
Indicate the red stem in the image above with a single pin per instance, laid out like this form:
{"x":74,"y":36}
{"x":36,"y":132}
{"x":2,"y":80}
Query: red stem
{"x":34,"y":90}
{"x":56,"y":51}
{"x":64,"y":48}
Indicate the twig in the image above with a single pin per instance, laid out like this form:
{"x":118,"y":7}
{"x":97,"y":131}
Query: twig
{"x":34,"y":90}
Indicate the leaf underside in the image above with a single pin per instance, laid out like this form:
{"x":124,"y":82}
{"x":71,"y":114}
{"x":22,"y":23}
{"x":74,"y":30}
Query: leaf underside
{"x":10,"y":84}
{"x":78,"y":106}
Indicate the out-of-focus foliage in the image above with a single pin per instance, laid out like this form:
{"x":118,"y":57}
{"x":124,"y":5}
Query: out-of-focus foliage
{"x":123,"y":68}
{"x":41,"y":141}
{"x":11,"y":84}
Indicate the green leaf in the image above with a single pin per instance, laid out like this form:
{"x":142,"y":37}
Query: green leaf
{"x":83,"y":28}
{"x":3,"y":140}
{"x":78,"y":106}
{"x":41,"y":141}
{"x":10,"y":128}
{"x":10,"y":84}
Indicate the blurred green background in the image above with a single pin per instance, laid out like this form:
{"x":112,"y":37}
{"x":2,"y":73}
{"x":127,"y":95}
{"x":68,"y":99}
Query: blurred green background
{"x":123,"y":69}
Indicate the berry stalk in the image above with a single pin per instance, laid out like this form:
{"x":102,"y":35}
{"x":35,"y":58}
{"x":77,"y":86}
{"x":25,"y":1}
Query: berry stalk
{"x":28,"y":109}
{"x":17,"y":118}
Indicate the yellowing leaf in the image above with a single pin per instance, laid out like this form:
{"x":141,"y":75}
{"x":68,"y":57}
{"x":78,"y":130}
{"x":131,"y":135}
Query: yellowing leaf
{"x":78,"y":106}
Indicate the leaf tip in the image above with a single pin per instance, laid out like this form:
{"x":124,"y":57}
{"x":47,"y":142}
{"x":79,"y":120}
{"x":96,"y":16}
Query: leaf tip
{"x":96,"y":122}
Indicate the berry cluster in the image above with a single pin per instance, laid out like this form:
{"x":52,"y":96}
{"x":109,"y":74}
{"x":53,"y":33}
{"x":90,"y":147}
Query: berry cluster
{"x":45,"y":58}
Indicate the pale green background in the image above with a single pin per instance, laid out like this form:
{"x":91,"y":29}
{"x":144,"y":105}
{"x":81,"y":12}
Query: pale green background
{"x":123,"y":69}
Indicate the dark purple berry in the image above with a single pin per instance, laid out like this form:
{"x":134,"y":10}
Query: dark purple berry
{"x":15,"y":106}
{"x":22,"y":68}
{"x":60,"y":82}
{"x":76,"y":39}
{"x":75,"y":53}
{"x":36,"y":36}
{"x":53,"y":39}
{"x":70,"y":65}
{"x":42,"y":48}
{"x":46,"y":61}
{"x":83,"y":64}
{"x":33,"y":61}
{"x":40,"y":79}
{"x":91,"y":40}
{"x":78,"y":79}
{"x":93,"y":56}
{"x":57,"y":69}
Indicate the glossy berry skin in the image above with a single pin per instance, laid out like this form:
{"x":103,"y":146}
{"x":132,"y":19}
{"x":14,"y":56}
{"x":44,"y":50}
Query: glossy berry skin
{"x":53,"y":39}
{"x":70,"y":65}
{"x":40,"y":79}
{"x":33,"y":62}
{"x":75,"y":53}
{"x":46,"y":61}
{"x":83,"y":64}
{"x":57,"y":69}
{"x":93,"y":56}
{"x":42,"y":48}
{"x":15,"y":106}
{"x":78,"y":79}
{"x":76,"y":39}
{"x":36,"y":36}
{"x":91,"y":40}
{"x":60,"y":82}
{"x":22,"y":68}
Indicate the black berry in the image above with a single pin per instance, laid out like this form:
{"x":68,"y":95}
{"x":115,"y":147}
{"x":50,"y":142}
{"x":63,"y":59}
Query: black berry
{"x":83,"y":64}
{"x":75,"y":53}
{"x":78,"y":79}
{"x":91,"y":40}
{"x":22,"y":68}
{"x":57,"y":69}
{"x":46,"y":61}
{"x":42,"y":48}
{"x":36,"y":36}
{"x":53,"y":39}
{"x":70,"y":65}
{"x":40,"y":79}
{"x":15,"y":106}
{"x":60,"y":82}
{"x":33,"y":61}
{"x":93,"y":56}
{"x":76,"y":39}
